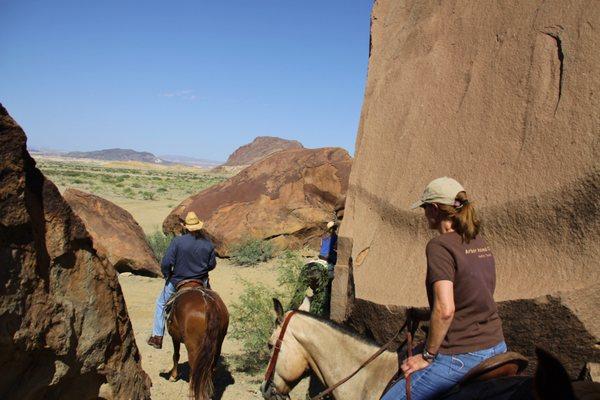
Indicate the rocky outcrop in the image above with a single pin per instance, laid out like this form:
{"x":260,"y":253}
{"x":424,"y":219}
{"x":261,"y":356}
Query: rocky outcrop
{"x":287,"y":198}
{"x":260,"y":148}
{"x":504,"y":99}
{"x":65,"y":328}
{"x":117,"y":155}
{"x":115,"y":233}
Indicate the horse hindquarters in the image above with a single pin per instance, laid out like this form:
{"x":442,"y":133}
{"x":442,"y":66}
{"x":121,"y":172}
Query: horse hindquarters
{"x":205,"y":347}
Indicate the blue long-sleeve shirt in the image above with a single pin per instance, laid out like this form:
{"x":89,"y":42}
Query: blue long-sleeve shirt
{"x":188,"y":257}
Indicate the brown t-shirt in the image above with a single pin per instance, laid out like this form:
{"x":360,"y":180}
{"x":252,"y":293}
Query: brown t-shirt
{"x":470,"y":266}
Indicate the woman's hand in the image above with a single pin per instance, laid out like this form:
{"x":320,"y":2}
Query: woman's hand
{"x":414,"y":364}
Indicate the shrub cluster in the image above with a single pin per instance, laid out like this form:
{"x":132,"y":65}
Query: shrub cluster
{"x":252,"y":319}
{"x":252,"y":323}
{"x":251,"y":252}
{"x":159,"y":242}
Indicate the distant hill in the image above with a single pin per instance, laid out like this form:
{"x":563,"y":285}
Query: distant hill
{"x":117,"y":155}
{"x":185,"y":160}
{"x":260,"y":147}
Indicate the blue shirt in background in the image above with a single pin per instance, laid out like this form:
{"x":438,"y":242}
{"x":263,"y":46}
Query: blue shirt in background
{"x":188,"y":257}
{"x":328,"y":249}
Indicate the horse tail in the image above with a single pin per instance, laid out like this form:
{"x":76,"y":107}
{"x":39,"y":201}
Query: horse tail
{"x":202,"y":382}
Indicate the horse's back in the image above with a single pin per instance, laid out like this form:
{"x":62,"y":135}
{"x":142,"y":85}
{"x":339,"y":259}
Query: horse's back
{"x":192,"y":308}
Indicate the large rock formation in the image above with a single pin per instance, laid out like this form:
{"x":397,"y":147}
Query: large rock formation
{"x":287,"y":197}
{"x":115,"y":233}
{"x":260,"y":148}
{"x":65,"y":328}
{"x":503,"y":98}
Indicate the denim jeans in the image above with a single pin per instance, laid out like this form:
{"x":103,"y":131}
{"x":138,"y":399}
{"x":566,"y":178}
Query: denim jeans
{"x":158,"y":328}
{"x":445,"y":372}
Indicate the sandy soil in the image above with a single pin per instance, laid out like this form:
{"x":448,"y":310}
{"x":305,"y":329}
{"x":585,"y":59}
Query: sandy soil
{"x":140,"y":294}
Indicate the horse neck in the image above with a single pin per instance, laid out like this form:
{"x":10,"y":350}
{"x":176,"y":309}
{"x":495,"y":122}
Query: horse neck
{"x":334,"y":354}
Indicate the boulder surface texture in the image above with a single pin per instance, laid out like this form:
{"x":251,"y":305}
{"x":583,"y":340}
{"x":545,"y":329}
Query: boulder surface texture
{"x":259,"y":148}
{"x":115,"y":233}
{"x":65,"y":329}
{"x":287,"y":197}
{"x":504,"y":98}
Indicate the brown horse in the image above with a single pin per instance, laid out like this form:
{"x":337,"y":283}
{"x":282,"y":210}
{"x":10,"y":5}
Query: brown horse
{"x":199,"y":319}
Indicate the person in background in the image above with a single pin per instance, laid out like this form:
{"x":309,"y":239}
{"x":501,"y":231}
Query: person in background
{"x":465,"y":328}
{"x":328,"y":252}
{"x":189,"y":256}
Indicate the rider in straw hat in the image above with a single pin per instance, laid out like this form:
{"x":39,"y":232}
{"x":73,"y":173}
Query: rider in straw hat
{"x":189,"y":256}
{"x":465,"y":328}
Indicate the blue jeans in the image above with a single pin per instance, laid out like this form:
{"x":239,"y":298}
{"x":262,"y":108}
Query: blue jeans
{"x":445,"y":372}
{"x":158,"y":328}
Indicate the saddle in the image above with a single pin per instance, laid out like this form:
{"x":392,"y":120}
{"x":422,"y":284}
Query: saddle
{"x":192,"y":283}
{"x":182,"y":287}
{"x":502,"y":365}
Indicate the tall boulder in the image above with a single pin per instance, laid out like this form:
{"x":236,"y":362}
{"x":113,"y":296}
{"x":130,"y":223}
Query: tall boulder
{"x":115,"y":233}
{"x":287,"y":198}
{"x":504,"y":98}
{"x":65,"y":329}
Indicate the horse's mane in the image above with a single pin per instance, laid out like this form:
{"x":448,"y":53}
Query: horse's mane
{"x":340,"y":328}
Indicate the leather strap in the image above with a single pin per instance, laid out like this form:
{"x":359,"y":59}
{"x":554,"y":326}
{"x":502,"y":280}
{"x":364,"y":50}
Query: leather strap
{"x":277,"y":348}
{"x":364,"y":364}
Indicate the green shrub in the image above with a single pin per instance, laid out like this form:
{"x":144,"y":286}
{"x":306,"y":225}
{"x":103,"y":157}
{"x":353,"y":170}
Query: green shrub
{"x":252,"y":323}
{"x":159,"y":242}
{"x":251,"y":252}
{"x":252,"y":318}
{"x":147,"y":195}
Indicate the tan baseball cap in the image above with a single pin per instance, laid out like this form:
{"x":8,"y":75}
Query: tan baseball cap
{"x":192,"y":222}
{"x":441,"y":190}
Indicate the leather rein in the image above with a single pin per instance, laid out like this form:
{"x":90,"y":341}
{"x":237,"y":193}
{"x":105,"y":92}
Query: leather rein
{"x":330,"y":389}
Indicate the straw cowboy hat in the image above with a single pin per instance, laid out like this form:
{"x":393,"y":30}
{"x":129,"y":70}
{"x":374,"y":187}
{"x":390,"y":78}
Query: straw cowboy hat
{"x":192,"y":223}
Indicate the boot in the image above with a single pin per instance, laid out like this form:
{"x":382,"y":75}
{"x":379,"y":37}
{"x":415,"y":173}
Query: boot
{"x":155,"y":341}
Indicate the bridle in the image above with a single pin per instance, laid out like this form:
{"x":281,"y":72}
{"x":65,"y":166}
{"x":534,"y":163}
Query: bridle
{"x":268,"y":382}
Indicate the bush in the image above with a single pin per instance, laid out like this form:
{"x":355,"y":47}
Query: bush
{"x":252,"y":323}
{"x":147,"y":195}
{"x":251,"y":252}
{"x":252,"y":319}
{"x":159,"y":242}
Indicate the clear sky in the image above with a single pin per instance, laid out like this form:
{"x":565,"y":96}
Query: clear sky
{"x":196,"y":78}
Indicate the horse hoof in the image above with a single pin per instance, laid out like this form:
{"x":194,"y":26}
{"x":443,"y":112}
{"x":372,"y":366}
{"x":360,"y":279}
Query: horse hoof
{"x":173,"y":379}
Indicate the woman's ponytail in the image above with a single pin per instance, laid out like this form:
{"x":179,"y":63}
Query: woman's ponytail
{"x":463,"y":217}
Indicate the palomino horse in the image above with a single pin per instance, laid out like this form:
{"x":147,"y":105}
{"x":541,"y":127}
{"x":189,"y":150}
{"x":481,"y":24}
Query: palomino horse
{"x":333,"y":353}
{"x":199,"y":319}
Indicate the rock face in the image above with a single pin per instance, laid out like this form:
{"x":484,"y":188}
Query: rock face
{"x":505,"y":100}
{"x":115,"y":233}
{"x":65,"y":328}
{"x":287,"y":197}
{"x":260,"y":147}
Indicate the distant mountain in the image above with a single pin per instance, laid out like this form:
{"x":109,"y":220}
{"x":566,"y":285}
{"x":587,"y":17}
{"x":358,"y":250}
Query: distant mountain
{"x":260,"y":147}
{"x":117,"y":155}
{"x":185,"y":160}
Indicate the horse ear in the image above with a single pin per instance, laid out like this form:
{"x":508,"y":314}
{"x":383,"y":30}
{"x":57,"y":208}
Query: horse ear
{"x":551,"y":379}
{"x":278,"y":310}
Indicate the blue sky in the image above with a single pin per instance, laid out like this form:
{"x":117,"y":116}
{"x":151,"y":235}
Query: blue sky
{"x":196,"y":78}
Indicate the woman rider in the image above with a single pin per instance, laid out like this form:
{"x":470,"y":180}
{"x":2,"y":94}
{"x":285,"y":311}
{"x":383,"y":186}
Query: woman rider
{"x":465,"y":328}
